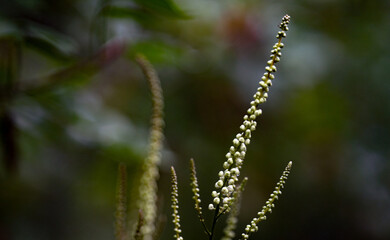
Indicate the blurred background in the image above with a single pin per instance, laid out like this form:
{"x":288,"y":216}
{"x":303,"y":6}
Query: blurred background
{"x":74,"y":104}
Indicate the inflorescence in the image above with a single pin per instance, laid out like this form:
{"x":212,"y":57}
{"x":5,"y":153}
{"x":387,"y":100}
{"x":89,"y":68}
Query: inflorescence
{"x":148,"y":181}
{"x":232,"y":220}
{"x":252,"y":227}
{"x":195,"y":191}
{"x":226,"y":197}
{"x":226,"y":184}
{"x":175,"y":206}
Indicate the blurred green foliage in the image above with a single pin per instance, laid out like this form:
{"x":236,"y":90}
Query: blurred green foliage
{"x":73,"y":104}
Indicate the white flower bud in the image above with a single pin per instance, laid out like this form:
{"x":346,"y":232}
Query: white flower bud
{"x":235,"y":171}
{"x":226,"y":165}
{"x":243,"y":147}
{"x":224,"y":191}
{"x":219,"y":184}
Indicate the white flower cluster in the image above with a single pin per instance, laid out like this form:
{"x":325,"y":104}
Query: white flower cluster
{"x":252,"y":227}
{"x":225,"y":186}
{"x":232,"y":220}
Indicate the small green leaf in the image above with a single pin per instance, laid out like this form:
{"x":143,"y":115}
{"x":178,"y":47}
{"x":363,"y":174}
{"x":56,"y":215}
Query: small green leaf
{"x":157,"y":52}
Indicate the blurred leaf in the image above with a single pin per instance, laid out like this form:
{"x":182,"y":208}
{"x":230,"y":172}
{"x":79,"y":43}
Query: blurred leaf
{"x":50,"y":43}
{"x":164,"y":7}
{"x":138,"y":15}
{"x":157,"y":51}
{"x":46,"y":48}
{"x":146,"y":11}
{"x":122,"y":153}
{"x":74,"y":75}
{"x":8,"y":30}
{"x":77,"y":74}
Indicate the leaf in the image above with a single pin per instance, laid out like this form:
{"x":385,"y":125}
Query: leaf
{"x":163,"y":7}
{"x":136,"y":14}
{"x":8,"y":30}
{"x":49,"y":42}
{"x":157,"y":51}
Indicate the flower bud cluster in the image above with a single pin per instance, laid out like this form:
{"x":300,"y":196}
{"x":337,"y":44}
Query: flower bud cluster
{"x":175,"y":206}
{"x":232,"y":220}
{"x":252,"y":227}
{"x":225,"y":186}
{"x":195,"y":190}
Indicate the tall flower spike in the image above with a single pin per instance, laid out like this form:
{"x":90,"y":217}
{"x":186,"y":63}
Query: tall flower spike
{"x":231,"y":221}
{"x":195,"y":191}
{"x":148,"y":182}
{"x":222,"y":197}
{"x":121,"y":210}
{"x":175,"y":205}
{"x":252,"y":227}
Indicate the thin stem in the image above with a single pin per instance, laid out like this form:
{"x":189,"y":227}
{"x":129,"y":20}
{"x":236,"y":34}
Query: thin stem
{"x":205,"y":228}
{"x":216,"y":216}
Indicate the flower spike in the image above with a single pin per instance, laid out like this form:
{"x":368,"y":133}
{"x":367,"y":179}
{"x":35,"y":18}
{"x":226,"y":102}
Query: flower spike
{"x":252,"y":227}
{"x":148,"y":182}
{"x":196,"y":197}
{"x":175,"y":205}
{"x":225,"y":185}
{"x":231,"y":221}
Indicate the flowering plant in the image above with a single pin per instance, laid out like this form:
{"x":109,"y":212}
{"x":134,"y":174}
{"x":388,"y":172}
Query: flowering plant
{"x":228,"y":189}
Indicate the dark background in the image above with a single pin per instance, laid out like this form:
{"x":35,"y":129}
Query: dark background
{"x":74,"y":104}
